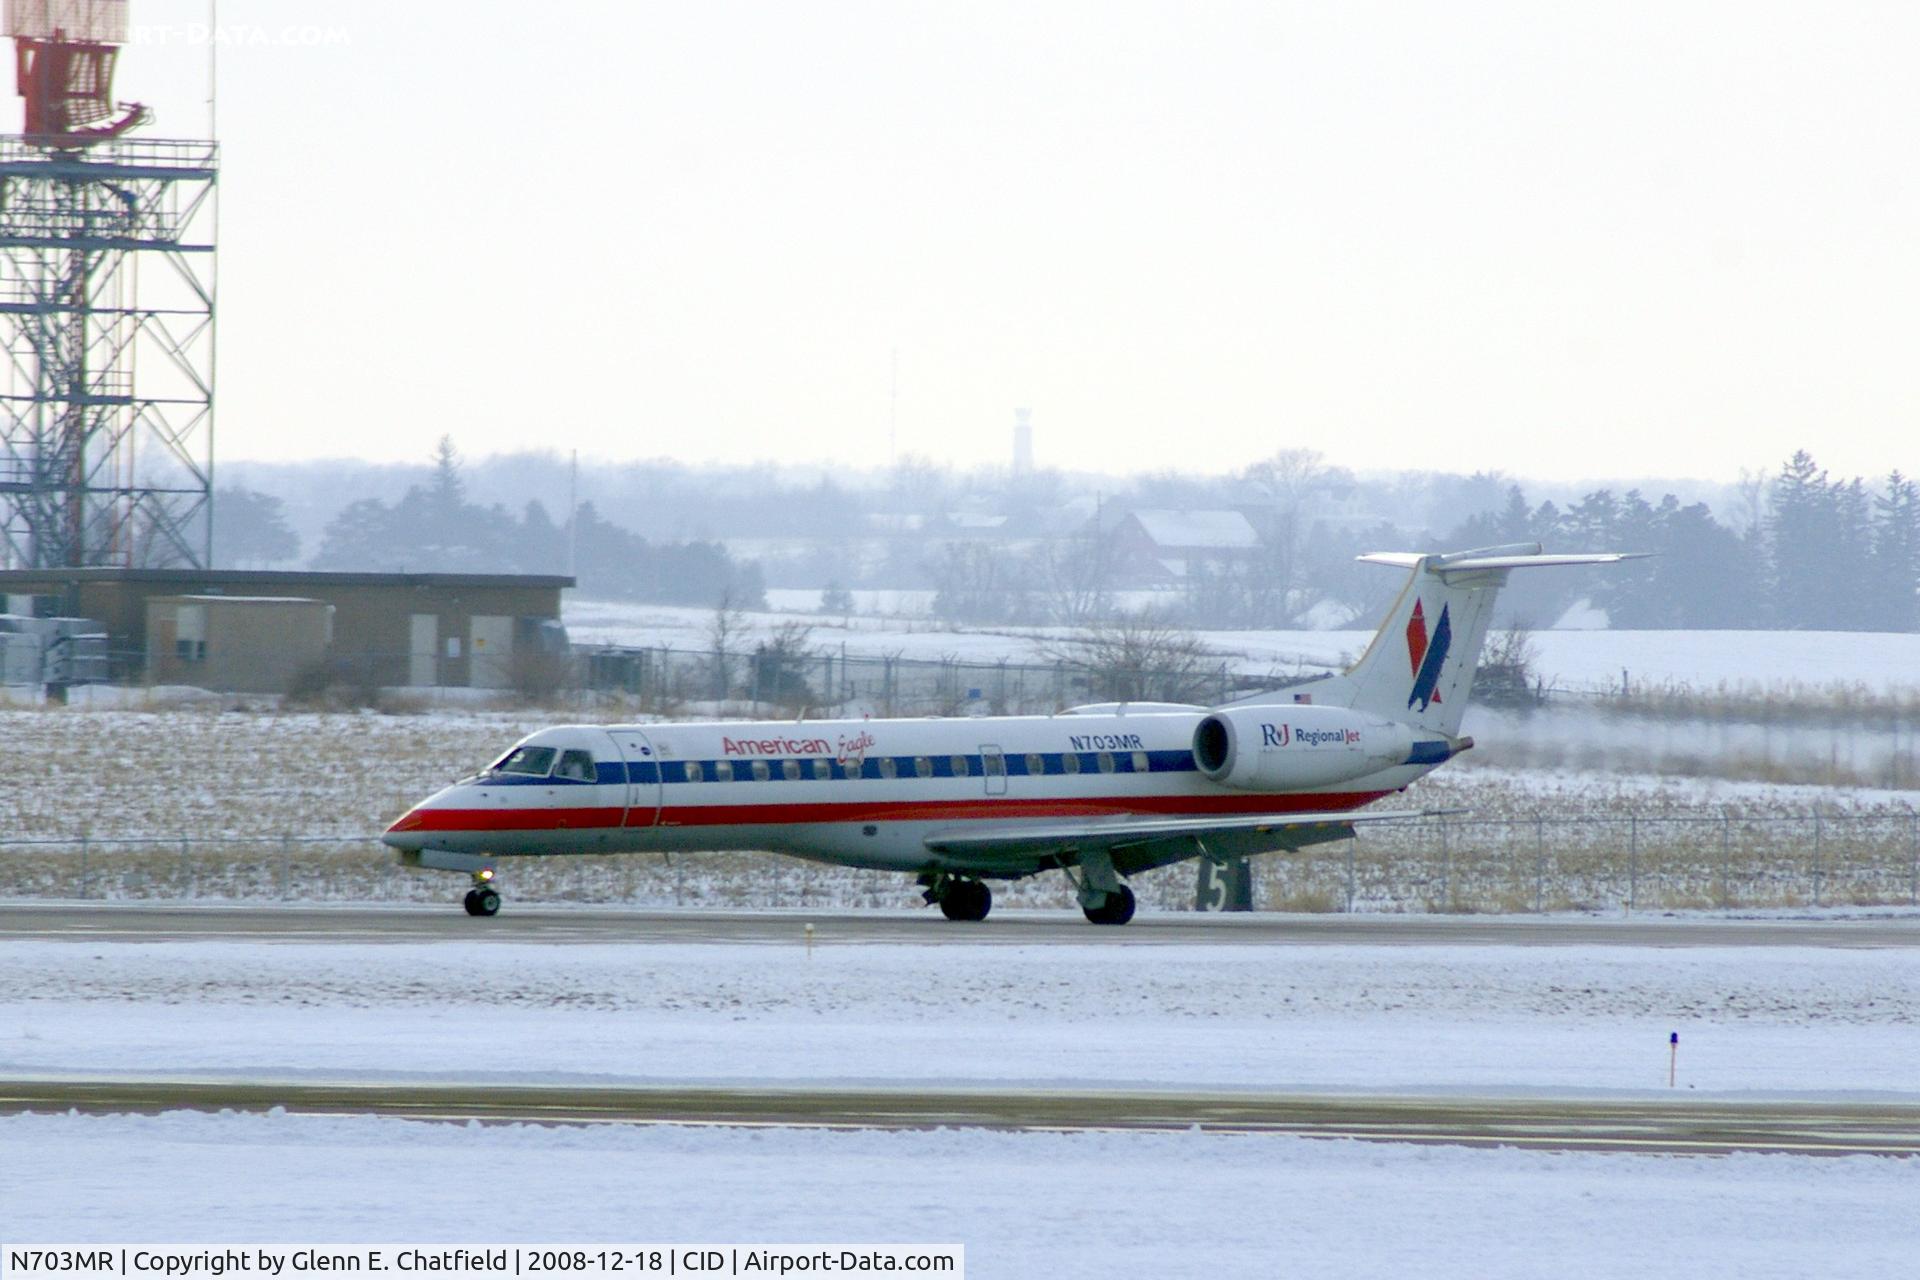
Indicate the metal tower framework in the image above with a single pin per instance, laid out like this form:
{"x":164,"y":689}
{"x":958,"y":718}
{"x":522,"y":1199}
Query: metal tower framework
{"x":107,"y":290}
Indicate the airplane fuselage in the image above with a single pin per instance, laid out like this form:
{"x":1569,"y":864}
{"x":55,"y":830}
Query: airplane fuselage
{"x":863,"y":793}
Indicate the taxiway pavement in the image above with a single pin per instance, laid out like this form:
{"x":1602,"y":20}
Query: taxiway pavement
{"x":172,"y":922}
{"x":1643,"y":1125}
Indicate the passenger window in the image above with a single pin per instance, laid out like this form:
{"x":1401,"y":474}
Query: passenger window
{"x":961,"y":768}
{"x":822,"y":769}
{"x":1105,"y":761}
{"x":694,"y":772}
{"x":888,"y":769}
{"x":1036,"y":763}
{"x":576,"y":766}
{"x":1070,"y":762}
{"x":1141,"y":764}
{"x":760,"y":771}
{"x":534,"y":761}
{"x":923,"y":766}
{"x":723,"y":771}
{"x":790,"y":770}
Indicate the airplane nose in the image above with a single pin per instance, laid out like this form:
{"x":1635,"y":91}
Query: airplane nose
{"x":396,"y":835}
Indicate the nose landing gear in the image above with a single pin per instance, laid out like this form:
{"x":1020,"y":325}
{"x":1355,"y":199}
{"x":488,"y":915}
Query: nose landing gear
{"x":483,"y":899}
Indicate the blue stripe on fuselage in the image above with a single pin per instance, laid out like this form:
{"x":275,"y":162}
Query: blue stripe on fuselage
{"x":1052,"y":765}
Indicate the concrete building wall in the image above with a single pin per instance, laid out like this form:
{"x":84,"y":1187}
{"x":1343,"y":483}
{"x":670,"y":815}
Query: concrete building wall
{"x":235,"y":644}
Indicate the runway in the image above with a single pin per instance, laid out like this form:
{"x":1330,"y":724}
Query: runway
{"x":142,"y":922}
{"x":1680,"y":1126}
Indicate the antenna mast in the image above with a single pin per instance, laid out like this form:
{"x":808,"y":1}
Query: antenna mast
{"x":98,"y":466}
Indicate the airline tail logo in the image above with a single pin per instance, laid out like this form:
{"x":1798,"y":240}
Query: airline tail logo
{"x":1427,"y":656}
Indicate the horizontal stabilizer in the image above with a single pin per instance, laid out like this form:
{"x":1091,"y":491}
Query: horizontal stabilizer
{"x":1496,"y":558}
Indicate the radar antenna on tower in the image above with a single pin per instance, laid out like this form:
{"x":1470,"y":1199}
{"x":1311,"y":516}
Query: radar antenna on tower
{"x":64,"y":56}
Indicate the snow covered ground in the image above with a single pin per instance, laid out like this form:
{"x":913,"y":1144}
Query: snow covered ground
{"x":1792,"y":1022}
{"x":1882,"y":662}
{"x":1410,"y":1019}
{"x":1055,"y":1205}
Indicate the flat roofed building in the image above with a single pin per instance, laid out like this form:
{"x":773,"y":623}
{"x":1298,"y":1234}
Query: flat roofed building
{"x":389,"y":629}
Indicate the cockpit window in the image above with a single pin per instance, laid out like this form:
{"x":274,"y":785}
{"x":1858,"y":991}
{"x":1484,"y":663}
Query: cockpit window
{"x":537,"y":761}
{"x":577,"y":765}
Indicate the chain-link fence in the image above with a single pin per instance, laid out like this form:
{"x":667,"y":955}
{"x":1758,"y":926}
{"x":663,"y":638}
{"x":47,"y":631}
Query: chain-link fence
{"x":1604,"y":862}
{"x":1527,"y":864}
{"x":780,"y":682}
{"x":769,"y":682}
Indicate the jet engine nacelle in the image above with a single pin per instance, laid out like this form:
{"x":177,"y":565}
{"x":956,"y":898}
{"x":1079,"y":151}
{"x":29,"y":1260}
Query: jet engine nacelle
{"x":1288,"y":747}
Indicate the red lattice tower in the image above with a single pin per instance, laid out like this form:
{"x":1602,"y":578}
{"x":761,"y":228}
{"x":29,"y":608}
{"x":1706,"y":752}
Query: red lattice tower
{"x":108,"y":285}
{"x":64,"y":55}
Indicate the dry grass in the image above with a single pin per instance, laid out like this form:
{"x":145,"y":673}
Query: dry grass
{"x":217,"y":772}
{"x":1781,"y":703}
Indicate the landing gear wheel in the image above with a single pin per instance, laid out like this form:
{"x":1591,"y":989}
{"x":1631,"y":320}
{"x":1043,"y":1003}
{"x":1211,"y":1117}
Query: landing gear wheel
{"x":966,"y":900}
{"x":482,"y":902}
{"x":1117,"y":909}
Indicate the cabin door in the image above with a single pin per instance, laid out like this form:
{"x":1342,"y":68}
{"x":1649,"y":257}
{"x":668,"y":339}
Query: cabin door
{"x":643,"y":777}
{"x":993,"y":767}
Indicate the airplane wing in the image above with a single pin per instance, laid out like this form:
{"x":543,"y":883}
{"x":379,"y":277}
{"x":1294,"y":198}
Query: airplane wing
{"x":1119,"y":833}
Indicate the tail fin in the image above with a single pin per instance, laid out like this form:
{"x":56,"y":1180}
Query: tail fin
{"x":1419,"y":669}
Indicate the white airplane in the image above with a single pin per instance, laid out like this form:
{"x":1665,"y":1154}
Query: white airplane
{"x":1098,"y":793}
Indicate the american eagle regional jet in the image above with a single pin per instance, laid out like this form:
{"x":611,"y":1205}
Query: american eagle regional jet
{"x":1099,"y":793}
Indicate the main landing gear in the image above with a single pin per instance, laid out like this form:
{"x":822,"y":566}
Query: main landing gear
{"x":960,"y":898}
{"x":1115,"y":908}
{"x":483,"y":899}
{"x":1103,"y":898}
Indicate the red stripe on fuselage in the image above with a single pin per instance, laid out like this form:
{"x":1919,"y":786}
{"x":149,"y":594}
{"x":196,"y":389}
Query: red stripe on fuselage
{"x":504,"y":819}
{"x":1002,"y":807}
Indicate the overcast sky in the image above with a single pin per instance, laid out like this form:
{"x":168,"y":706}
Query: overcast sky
{"x":1555,"y":239}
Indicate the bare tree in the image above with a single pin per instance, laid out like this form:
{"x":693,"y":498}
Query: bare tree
{"x":1078,"y":578}
{"x":723,"y":631}
{"x":780,"y":667}
{"x":1282,"y":483}
{"x":1750,"y":506}
{"x":979,"y":582}
{"x":1141,"y":657}
{"x":1506,"y":676}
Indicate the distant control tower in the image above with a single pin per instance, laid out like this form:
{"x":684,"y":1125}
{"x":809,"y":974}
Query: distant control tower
{"x":1022,"y":441}
{"x":106,"y":268}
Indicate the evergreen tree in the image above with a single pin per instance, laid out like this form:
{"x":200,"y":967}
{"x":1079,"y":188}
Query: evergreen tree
{"x":1895,"y":571}
{"x":364,"y":535}
{"x":250,"y":530}
{"x":1801,"y":528}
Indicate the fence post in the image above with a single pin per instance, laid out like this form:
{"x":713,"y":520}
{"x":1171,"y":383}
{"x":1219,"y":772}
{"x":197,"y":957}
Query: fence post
{"x":1817,"y":868}
{"x":1539,"y":864}
{"x":1446,"y":868}
{"x":1351,"y":841}
{"x":186,"y":868}
{"x":1726,"y":853}
{"x":1633,"y":861}
{"x":86,"y":872}
{"x":1913,"y":850}
{"x":286,"y":863}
